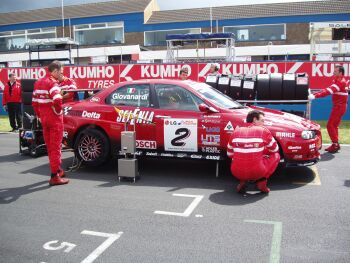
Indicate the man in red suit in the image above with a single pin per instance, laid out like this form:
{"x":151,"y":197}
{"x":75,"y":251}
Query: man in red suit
{"x":12,"y":100}
{"x":254,"y":153}
{"x":47,"y":104}
{"x":339,"y":92}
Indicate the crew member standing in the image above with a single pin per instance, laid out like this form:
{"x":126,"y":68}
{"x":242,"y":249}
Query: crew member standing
{"x":339,"y":92}
{"x":254,"y":153}
{"x":47,"y":104}
{"x":12,"y":102}
{"x":67,"y":84}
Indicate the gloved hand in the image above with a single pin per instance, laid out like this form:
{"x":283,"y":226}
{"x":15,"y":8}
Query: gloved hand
{"x":311,"y":97}
{"x":5,"y":108}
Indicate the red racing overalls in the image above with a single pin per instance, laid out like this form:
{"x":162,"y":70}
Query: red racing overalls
{"x":339,"y":92}
{"x":47,"y":104}
{"x":254,"y":153}
{"x":68,"y":84}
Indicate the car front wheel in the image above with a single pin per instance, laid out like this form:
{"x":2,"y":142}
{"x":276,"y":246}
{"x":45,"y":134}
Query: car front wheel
{"x":92,"y":147}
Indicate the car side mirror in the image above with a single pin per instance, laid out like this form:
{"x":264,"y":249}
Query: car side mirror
{"x":205,"y":108}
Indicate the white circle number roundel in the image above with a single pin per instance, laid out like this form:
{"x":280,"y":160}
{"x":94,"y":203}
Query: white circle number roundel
{"x":180,"y":135}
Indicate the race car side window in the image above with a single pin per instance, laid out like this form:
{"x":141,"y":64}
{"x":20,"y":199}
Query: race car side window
{"x":137,"y":95}
{"x":174,"y":97}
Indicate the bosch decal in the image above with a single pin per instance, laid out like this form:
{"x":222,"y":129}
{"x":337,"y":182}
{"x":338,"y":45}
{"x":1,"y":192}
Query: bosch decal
{"x":141,"y":144}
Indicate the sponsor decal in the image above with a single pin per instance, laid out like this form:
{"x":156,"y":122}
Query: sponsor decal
{"x":212,"y":157}
{"x":297,"y":157}
{"x":141,"y":144}
{"x":212,"y":129}
{"x":65,"y":134}
{"x":167,"y":155}
{"x":180,"y":135}
{"x":196,"y":156}
{"x":138,"y":115}
{"x":312,"y":146}
{"x":206,"y":149}
{"x":214,"y":121}
{"x":92,"y":115}
{"x":268,"y":123}
{"x":131,"y":90}
{"x":285,"y":134}
{"x":66,"y":110}
{"x":181,"y":155}
{"x":210,"y":139}
{"x":95,"y":99}
{"x":117,"y":96}
{"x":212,"y":116}
{"x":92,"y":72}
{"x":151,"y":154}
{"x":294,"y":147}
{"x":229,"y":126}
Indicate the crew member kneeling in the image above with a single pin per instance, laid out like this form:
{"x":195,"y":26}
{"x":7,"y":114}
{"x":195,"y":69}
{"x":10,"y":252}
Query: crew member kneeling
{"x":47,"y":104}
{"x":254,"y":153}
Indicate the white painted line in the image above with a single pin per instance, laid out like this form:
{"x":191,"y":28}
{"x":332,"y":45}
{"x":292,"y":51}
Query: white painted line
{"x":315,"y":181}
{"x":100,"y":249}
{"x":189,"y":209}
{"x":276,"y":238}
{"x":198,"y":215}
{"x":69,"y":246}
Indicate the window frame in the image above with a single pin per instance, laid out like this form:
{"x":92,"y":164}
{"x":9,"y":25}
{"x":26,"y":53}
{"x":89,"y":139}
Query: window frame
{"x":240,"y":26}
{"x":166,"y":30}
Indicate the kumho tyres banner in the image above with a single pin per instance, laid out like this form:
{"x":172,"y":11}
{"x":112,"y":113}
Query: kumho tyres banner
{"x":102,"y":76}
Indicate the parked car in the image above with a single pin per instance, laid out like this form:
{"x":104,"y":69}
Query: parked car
{"x":179,"y":119}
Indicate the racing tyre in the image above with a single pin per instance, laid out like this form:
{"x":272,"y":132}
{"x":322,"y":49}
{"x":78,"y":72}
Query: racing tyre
{"x":276,"y":86}
{"x":27,"y":85}
{"x":27,"y":97}
{"x":302,"y":86}
{"x":288,"y":90}
{"x":263,"y":87}
{"x":92,"y":147}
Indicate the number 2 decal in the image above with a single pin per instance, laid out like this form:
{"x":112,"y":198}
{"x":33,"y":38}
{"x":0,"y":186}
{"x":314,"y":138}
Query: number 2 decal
{"x":184,"y":134}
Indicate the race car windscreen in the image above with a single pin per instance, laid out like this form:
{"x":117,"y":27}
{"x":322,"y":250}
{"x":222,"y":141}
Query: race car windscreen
{"x":215,"y":96}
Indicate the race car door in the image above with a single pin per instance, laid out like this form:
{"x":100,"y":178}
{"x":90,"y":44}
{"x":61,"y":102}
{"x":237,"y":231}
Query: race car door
{"x":132,"y":106}
{"x":177,"y":117}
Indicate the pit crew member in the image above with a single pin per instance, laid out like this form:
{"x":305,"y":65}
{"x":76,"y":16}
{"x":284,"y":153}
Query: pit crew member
{"x":254,"y":153}
{"x":67,"y":84}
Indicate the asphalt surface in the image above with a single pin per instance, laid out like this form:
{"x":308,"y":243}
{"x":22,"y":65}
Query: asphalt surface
{"x":95,"y":218}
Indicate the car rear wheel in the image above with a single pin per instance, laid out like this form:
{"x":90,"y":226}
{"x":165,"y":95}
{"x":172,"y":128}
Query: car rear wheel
{"x":92,"y":147}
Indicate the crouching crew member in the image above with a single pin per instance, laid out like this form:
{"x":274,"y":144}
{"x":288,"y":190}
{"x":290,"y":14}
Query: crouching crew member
{"x":339,"y":92}
{"x":47,"y":104}
{"x":67,"y":84}
{"x":254,"y":153}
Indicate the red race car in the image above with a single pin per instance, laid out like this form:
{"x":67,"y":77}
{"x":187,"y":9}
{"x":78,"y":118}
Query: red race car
{"x":181,"y":119}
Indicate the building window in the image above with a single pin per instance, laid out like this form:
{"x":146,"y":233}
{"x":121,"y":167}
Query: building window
{"x":257,"y":33}
{"x":158,"y":38}
{"x":15,"y":40}
{"x":99,"y":33}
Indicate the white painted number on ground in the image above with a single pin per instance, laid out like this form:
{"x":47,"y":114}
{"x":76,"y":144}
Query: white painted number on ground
{"x":94,"y":254}
{"x":68,"y":246}
{"x":189,"y":209}
{"x":99,"y":250}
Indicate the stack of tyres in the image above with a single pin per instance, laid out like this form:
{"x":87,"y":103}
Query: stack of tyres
{"x":27,"y":93}
{"x":249,"y":87}
{"x":224,"y":84}
{"x":276,"y":86}
{"x":263,"y":87}
{"x":302,"y":86}
{"x":236,"y":85}
{"x":212,"y":80}
{"x":288,"y":89}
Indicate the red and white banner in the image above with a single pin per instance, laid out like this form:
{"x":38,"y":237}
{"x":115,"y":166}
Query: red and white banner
{"x":100,"y":76}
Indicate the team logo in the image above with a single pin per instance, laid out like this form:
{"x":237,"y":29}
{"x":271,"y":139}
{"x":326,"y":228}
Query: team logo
{"x":229,"y":126}
{"x":66,"y":110}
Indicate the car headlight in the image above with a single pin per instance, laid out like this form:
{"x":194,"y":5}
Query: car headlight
{"x":308,"y":135}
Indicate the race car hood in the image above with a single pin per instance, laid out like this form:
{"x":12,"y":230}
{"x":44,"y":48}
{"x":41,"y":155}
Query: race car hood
{"x":281,"y":119}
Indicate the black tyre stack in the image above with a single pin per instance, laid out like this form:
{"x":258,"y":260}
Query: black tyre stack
{"x":224,"y":84}
{"x":249,"y":87}
{"x":27,"y":93}
{"x":236,"y":85}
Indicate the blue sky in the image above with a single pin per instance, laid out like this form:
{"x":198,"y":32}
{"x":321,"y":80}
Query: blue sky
{"x":19,"y":5}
